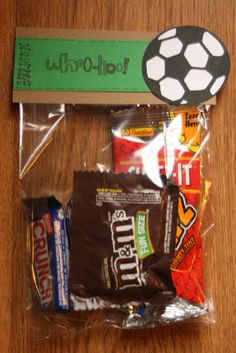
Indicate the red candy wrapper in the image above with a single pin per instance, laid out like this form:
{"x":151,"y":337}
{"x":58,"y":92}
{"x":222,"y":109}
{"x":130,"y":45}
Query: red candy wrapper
{"x":156,"y":141}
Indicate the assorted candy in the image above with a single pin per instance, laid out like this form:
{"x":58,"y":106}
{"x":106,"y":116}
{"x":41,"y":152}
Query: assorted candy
{"x":135,"y":241}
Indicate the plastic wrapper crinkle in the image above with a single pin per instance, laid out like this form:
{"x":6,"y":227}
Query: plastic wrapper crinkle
{"x":116,"y":212}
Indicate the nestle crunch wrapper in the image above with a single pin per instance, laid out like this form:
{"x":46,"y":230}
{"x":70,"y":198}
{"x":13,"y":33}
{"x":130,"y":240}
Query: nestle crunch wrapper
{"x":155,"y":141}
{"x":49,"y":253}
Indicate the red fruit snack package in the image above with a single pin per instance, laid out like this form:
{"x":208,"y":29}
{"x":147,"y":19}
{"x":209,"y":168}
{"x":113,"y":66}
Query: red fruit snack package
{"x":155,"y":141}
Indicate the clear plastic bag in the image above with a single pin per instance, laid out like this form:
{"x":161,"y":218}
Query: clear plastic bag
{"x":56,"y":140}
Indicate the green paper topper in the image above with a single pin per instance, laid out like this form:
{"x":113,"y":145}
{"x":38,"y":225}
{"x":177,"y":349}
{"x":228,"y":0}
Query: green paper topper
{"x":86,"y":65}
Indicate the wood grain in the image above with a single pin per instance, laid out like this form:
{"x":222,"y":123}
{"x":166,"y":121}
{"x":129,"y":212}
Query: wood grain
{"x":150,"y":15}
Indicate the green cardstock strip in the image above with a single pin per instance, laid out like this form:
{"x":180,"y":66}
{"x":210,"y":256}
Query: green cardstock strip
{"x":101,"y":65}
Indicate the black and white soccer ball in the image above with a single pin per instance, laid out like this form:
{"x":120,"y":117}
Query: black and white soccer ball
{"x":185,"y":65}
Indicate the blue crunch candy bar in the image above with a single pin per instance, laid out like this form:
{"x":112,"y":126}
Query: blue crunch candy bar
{"x":49,"y":253}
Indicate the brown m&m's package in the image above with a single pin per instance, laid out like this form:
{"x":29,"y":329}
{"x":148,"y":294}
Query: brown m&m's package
{"x":122,"y":240}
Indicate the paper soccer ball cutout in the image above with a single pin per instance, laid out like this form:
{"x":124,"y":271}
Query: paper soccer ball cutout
{"x":185,"y":65}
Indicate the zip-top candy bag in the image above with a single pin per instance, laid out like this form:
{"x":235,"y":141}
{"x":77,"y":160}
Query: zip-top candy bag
{"x":158,"y":141}
{"x":129,"y":250}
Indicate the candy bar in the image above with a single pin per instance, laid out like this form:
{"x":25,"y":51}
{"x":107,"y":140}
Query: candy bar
{"x":122,"y":240}
{"x":49,"y":253}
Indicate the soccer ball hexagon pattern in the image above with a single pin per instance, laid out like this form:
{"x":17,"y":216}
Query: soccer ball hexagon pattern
{"x":155,"y":68}
{"x":185,"y":65}
{"x":171,"y":47}
{"x":196,"y":55}
{"x":171,"y":88}
{"x":198,"y":80}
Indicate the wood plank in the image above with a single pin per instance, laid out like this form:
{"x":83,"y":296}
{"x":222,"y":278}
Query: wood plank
{"x":153,"y":15}
{"x":8,"y":168}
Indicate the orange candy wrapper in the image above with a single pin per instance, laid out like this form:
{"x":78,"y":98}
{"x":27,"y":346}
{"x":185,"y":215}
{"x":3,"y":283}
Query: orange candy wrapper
{"x":156,"y":141}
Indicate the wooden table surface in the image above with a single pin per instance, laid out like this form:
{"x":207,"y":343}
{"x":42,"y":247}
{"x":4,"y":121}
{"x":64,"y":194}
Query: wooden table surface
{"x":142,"y":15}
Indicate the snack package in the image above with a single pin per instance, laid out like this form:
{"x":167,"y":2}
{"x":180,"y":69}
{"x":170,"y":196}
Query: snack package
{"x":154,"y":142}
{"x":126,"y":261}
{"x":114,"y":171}
{"x":49,"y":253}
{"x":146,"y":167}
